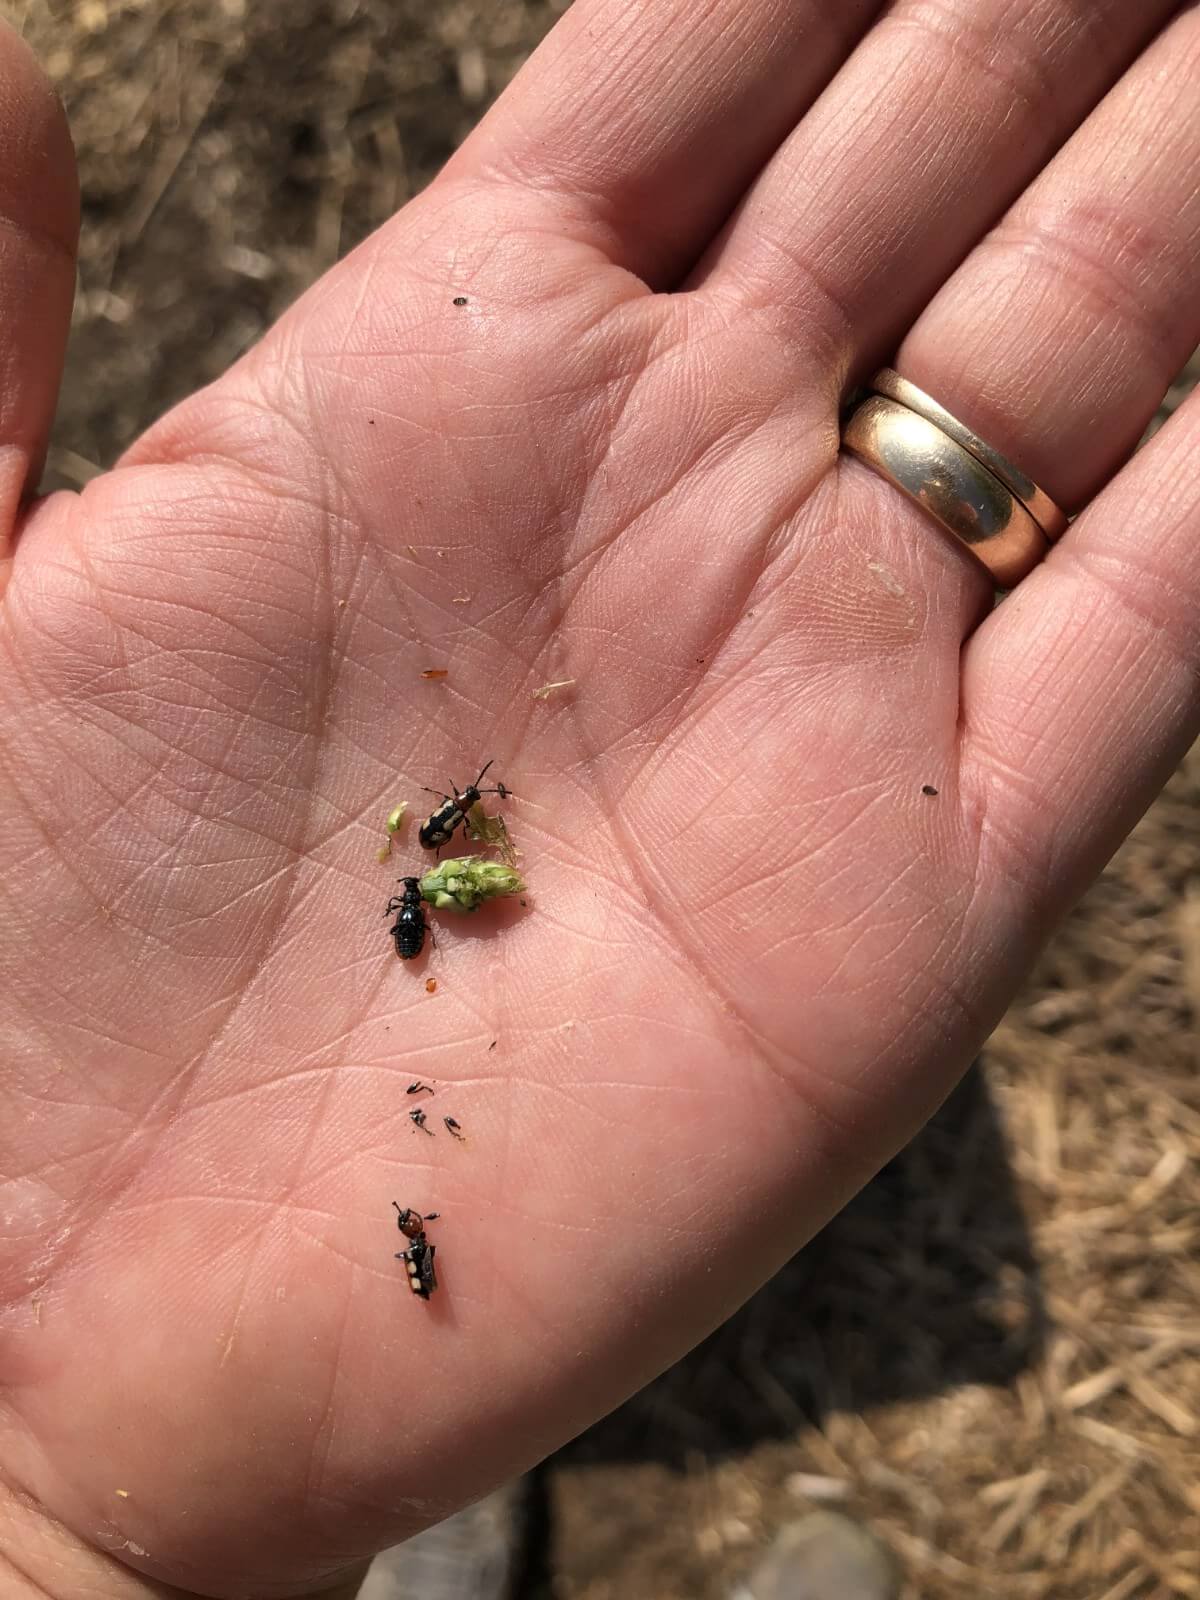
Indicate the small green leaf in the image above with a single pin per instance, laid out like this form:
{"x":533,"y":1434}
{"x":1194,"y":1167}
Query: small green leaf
{"x":396,"y":816}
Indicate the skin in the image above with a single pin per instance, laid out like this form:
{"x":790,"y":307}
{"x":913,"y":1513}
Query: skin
{"x":756,"y":955}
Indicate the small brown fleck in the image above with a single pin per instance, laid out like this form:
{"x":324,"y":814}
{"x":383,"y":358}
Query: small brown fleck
{"x":430,"y":985}
{"x":460,"y":299}
{"x":927,"y":788}
{"x":436,"y":672}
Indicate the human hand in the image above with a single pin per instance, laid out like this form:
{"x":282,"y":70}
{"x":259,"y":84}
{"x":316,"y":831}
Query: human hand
{"x":757,"y":954}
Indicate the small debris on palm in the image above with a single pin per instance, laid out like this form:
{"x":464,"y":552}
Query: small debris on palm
{"x":548,"y":689}
{"x":395,"y":819}
{"x":491,"y":831}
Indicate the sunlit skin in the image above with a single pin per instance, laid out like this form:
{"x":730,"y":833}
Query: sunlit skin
{"x":756,"y":950}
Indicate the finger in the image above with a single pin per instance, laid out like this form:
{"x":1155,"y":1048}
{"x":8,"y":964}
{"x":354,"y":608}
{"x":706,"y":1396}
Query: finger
{"x":1083,"y":690}
{"x":39,"y":221}
{"x":641,"y":124}
{"x":1058,"y":336}
{"x":939,"y":118}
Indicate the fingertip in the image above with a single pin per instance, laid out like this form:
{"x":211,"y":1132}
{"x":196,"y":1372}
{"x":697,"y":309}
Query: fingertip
{"x":39,"y":230}
{"x":39,"y":184}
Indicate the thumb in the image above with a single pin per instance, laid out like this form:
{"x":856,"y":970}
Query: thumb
{"x":39,"y":226}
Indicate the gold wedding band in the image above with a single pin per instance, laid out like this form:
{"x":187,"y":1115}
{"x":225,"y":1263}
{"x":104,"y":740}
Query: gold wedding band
{"x":1051,"y":519}
{"x":950,"y":483}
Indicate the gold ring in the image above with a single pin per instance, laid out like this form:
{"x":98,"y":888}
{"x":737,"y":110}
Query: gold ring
{"x":933,"y":469}
{"x":1050,"y":518}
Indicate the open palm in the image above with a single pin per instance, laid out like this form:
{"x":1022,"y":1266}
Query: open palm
{"x":757,"y":950}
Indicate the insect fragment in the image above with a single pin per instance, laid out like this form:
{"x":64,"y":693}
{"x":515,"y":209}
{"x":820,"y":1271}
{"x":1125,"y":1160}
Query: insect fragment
{"x":418,"y":1086}
{"x":454,"y":1128}
{"x":408,"y":930}
{"x":438,"y":828}
{"x":417,"y":1118}
{"x":418,"y":1258}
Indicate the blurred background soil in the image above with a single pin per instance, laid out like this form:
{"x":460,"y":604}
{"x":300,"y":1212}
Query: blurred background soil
{"x":994,"y":1355}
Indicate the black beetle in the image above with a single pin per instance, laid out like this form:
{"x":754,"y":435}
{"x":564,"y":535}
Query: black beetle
{"x":438,"y":828}
{"x":408,"y":930}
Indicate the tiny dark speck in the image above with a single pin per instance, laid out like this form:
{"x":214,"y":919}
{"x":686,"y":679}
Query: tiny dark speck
{"x":493,"y":1044}
{"x":370,"y":422}
{"x":460,"y":299}
{"x":927,"y":788}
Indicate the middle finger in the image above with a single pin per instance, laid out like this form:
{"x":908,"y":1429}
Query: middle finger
{"x":939,"y":118}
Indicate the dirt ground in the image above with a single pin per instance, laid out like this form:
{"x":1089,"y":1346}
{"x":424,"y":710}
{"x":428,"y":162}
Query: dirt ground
{"x":994,"y":1355}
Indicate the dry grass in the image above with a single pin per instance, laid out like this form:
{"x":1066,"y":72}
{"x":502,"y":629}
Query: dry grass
{"x":994,"y":1356}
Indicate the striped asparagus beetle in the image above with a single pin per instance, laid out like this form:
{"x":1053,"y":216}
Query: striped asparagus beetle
{"x":438,"y":828}
{"x":418,"y":1258}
